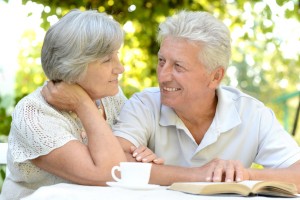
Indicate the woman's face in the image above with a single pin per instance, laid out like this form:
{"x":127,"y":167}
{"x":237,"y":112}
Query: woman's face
{"x":101,"y":78}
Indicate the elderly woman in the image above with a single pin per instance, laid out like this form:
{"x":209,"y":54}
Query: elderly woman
{"x":49,"y":145}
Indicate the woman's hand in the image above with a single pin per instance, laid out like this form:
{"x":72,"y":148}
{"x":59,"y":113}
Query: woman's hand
{"x":144,"y":154}
{"x":64,"y":96}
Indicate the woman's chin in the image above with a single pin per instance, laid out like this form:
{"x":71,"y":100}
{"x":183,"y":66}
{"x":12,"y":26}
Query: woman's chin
{"x":113,"y":92}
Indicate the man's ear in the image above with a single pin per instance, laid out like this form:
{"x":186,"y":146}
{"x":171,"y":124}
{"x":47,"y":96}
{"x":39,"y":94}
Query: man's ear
{"x":216,"y":77}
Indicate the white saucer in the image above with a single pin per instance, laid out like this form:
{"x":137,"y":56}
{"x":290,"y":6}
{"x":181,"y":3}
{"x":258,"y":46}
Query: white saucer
{"x":133,"y":187}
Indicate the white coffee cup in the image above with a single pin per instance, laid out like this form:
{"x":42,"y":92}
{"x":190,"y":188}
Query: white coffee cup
{"x":132,"y":173}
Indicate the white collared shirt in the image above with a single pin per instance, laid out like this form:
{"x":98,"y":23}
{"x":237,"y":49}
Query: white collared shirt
{"x":243,"y":129}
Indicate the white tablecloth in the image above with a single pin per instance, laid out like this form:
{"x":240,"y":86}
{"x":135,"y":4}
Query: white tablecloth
{"x":73,"y":192}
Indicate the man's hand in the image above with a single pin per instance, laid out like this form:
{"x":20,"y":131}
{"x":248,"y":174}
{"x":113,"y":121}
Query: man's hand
{"x":219,"y":170}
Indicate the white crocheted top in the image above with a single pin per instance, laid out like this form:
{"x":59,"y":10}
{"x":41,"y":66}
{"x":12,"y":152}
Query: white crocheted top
{"x":36,"y":129}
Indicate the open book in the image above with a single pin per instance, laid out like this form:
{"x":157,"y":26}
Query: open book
{"x":244,"y":188}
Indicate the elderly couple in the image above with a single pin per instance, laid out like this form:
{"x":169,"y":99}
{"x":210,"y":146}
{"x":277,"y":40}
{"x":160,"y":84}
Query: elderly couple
{"x":191,"y":128}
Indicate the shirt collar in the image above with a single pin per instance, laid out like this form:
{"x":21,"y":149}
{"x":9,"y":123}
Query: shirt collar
{"x":226,"y":118}
{"x":168,"y":117}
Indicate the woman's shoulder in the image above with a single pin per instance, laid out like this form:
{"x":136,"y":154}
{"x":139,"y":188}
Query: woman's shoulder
{"x":34,"y":104}
{"x":33,"y":99}
{"x":37,"y":128}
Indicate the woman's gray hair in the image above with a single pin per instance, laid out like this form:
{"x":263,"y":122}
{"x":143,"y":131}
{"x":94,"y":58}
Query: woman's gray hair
{"x":78,"y":38}
{"x":204,"y":30}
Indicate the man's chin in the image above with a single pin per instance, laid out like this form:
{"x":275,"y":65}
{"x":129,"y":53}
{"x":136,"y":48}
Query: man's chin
{"x":167,"y":102}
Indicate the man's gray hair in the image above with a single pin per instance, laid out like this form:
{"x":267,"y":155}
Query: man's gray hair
{"x":77,"y":39}
{"x":204,"y":30}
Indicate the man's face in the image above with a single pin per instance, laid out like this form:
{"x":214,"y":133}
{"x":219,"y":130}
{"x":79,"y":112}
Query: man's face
{"x":183,"y":79}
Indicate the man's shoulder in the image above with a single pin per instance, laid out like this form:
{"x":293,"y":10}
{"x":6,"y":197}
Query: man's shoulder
{"x":237,"y":95}
{"x":148,"y":95}
{"x":152,"y":92}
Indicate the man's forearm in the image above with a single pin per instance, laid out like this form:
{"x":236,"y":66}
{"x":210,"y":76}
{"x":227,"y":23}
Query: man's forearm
{"x":290,"y":174}
{"x":166,"y":174}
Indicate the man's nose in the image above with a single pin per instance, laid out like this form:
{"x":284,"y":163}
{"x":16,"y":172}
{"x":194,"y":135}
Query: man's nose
{"x":165,"y":73}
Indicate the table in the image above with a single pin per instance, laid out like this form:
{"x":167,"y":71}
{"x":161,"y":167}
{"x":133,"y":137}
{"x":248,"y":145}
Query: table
{"x":64,"y":191}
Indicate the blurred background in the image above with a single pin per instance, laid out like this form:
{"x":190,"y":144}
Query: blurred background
{"x":265,"y":47}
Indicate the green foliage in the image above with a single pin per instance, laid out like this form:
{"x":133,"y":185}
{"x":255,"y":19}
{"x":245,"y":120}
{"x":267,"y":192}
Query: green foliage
{"x":2,"y":175}
{"x":30,"y":75}
{"x":258,"y":59}
{"x":260,"y":63}
{"x":5,"y":119}
{"x":256,"y":166}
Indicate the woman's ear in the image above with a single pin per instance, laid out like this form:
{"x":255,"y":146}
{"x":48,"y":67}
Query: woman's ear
{"x":216,"y":77}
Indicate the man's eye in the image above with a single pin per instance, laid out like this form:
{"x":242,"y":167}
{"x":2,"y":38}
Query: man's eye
{"x":179,"y":68}
{"x":160,"y":60}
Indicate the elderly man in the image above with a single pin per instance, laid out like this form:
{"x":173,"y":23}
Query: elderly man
{"x":204,"y":131}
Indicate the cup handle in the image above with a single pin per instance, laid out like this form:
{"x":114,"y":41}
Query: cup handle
{"x":113,"y":173}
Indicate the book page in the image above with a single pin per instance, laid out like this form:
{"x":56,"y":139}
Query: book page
{"x":275,"y":188}
{"x":271,"y":188}
{"x":244,"y":188}
{"x":208,"y":188}
{"x":249,"y":184}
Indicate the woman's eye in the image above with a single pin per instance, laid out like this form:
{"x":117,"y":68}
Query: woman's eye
{"x":107,"y":60}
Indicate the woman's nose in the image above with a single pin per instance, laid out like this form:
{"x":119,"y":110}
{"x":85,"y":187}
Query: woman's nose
{"x":119,"y":69}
